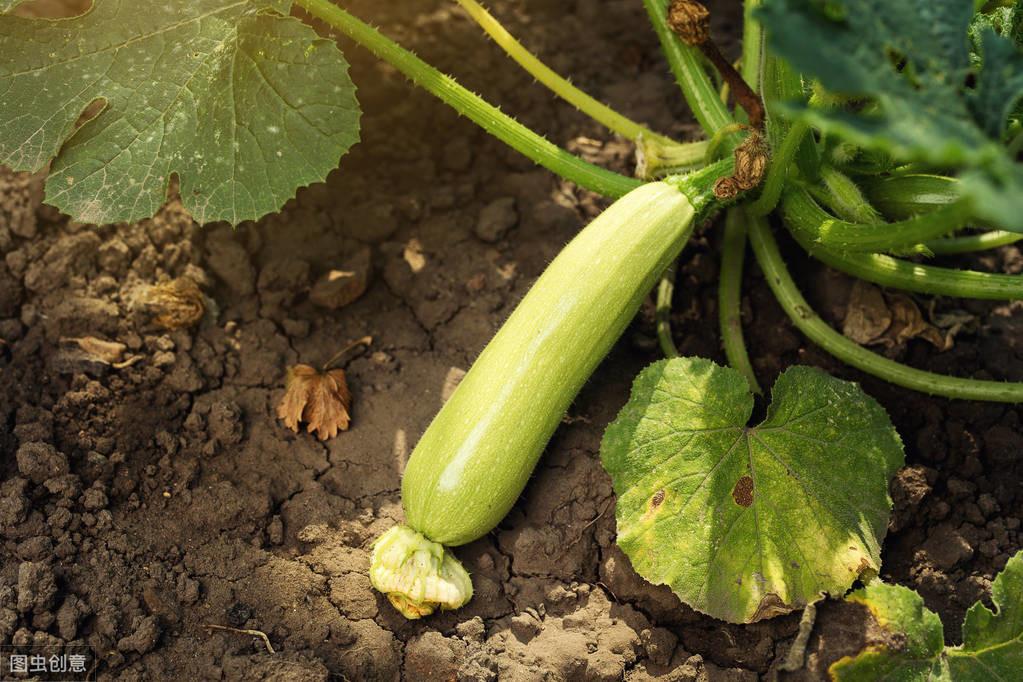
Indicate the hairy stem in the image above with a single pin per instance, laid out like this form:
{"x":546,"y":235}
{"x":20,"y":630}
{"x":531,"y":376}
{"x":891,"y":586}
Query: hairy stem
{"x":778,"y":278}
{"x":924,"y":279}
{"x":560,"y":86}
{"x":733,"y":253}
{"x":487,"y":116}
{"x":804,"y":215}
{"x":687,"y":67}
{"x":778,"y":171}
{"x":665,"y":292}
{"x":973,"y":242}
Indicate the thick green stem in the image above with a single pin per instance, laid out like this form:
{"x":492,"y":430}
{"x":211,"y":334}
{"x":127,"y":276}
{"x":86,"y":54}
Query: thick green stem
{"x":560,"y":86}
{"x":924,"y":279}
{"x":665,"y":292}
{"x":487,"y":116}
{"x":733,"y":253}
{"x":803,"y":214}
{"x":752,"y":45}
{"x":778,"y":171}
{"x":818,"y":331}
{"x":973,"y":242}
{"x":687,"y":65}
{"x":900,"y":197}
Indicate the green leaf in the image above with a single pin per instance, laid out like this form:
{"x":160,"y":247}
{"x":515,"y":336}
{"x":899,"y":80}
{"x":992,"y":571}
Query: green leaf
{"x":913,"y":648}
{"x":243,"y":104}
{"x":911,"y":62}
{"x":747,"y":523}
{"x":915,"y":634}
{"x":993,"y":640}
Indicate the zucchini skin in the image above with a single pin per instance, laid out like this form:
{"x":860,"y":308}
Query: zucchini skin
{"x":478,"y":453}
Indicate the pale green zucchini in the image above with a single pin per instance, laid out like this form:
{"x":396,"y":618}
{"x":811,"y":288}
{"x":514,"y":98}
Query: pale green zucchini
{"x":476,"y":457}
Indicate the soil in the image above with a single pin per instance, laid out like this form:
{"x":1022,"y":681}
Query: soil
{"x":149,"y":491}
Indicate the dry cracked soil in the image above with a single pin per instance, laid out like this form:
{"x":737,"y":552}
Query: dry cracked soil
{"x":150,"y":498}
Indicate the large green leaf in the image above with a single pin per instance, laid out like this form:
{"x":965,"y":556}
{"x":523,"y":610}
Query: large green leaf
{"x":746,"y":523}
{"x":914,"y":651}
{"x":911,"y":61}
{"x":243,"y":104}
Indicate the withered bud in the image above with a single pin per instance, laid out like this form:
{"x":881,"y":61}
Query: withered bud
{"x":751,"y":161}
{"x":176,"y":304}
{"x":726,"y":188}
{"x":690,"y":20}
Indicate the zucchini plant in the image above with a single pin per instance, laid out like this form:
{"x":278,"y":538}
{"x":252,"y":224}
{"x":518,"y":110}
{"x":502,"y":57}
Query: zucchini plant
{"x":876,"y":134}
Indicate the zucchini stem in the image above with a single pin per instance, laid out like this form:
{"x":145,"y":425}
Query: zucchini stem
{"x":803,"y":214}
{"x":559,"y":85}
{"x":733,"y":253}
{"x":665,"y":292}
{"x":686,"y":65}
{"x":923,"y":279}
{"x":490,"y":118}
{"x":973,"y":242}
{"x":817,"y":330}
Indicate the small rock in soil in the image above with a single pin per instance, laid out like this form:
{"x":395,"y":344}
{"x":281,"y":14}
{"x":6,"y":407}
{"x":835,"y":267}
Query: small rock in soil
{"x":343,"y":286}
{"x":496,"y":219}
{"x":946,"y":547}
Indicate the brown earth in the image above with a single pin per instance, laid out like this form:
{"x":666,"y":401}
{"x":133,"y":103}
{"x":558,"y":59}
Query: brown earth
{"x":141,"y":504}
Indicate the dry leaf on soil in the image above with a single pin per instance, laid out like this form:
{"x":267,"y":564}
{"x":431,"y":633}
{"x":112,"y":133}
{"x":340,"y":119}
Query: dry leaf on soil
{"x":176,"y":304}
{"x":874,"y":318}
{"x":320,"y":399}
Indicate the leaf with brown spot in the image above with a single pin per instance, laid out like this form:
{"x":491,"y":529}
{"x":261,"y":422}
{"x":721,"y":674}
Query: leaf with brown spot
{"x":749,"y":522}
{"x":319,"y":398}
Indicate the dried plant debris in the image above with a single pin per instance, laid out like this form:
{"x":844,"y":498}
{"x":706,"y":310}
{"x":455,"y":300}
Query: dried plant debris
{"x":176,"y":304}
{"x":319,"y":398}
{"x":874,"y":318}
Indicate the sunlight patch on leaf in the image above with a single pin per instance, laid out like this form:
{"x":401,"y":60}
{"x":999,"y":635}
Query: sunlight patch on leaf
{"x":748,"y":523}
{"x":243,"y":104}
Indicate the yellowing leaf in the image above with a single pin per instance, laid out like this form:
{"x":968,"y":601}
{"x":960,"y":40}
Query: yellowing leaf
{"x":320,"y":399}
{"x":749,"y":522}
{"x":242,"y":102}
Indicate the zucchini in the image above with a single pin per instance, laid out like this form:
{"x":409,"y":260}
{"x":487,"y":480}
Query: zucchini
{"x":478,"y":453}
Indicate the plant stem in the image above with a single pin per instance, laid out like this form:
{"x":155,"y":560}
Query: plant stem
{"x":752,"y":48}
{"x":924,"y":279}
{"x":665,"y":292}
{"x":805,"y":215}
{"x":487,"y":116}
{"x":687,"y":66}
{"x":903,"y":196}
{"x":733,"y":253}
{"x":778,"y":278}
{"x":973,"y":242}
{"x":560,"y":86}
{"x":778,"y":171}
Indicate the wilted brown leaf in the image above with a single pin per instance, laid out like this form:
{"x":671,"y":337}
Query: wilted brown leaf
{"x":320,"y":399}
{"x":874,"y":318}
{"x":908,"y":323}
{"x":867,"y":316}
